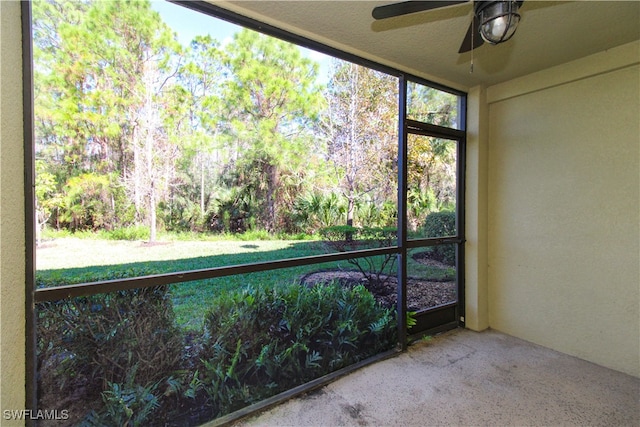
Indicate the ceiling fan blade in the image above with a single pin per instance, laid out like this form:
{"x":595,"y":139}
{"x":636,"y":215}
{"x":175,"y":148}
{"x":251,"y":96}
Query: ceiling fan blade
{"x":477,"y":38}
{"x":406,"y":7}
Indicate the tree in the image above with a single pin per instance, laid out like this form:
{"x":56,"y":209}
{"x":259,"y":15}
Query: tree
{"x":272,"y":102}
{"x":430,"y":105}
{"x":102,"y":69}
{"x":193,"y":121}
{"x":47,"y":198}
{"x":431,"y":172}
{"x":360,"y":127}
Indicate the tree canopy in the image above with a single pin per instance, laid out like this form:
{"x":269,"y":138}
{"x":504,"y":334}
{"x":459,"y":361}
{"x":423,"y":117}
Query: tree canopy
{"x":134,"y":128}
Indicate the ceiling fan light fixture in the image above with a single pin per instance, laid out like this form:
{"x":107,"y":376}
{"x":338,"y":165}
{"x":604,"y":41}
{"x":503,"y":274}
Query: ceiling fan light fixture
{"x":498,"y":20}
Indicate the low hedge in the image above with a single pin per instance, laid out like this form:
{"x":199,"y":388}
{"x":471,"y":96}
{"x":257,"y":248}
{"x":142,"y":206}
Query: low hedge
{"x":260,"y":342}
{"x":120,"y":356}
{"x":442,"y":224}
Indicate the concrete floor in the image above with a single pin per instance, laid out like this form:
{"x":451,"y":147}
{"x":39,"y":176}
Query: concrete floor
{"x":465,"y":378}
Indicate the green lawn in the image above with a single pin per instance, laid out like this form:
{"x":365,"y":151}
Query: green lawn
{"x":65,"y":261}
{"x":69,"y":261}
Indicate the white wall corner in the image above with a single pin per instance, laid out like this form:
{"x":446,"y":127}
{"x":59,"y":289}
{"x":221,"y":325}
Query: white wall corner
{"x":606,"y":61}
{"x":476,"y":285}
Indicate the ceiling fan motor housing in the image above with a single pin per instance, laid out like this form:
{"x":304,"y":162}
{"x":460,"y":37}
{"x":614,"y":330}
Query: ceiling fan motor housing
{"x":498,"y":19}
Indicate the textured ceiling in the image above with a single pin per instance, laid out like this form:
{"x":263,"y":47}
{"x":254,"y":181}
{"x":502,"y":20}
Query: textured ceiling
{"x":426,"y":43}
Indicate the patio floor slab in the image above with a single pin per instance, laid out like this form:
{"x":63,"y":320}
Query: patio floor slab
{"x":465,"y":378}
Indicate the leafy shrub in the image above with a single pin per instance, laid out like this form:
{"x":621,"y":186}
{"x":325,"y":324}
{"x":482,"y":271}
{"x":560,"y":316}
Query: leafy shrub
{"x":260,"y":342}
{"x":86,"y":202}
{"x":133,"y":232}
{"x":347,"y":238}
{"x":125,"y":405}
{"x":374,"y":215}
{"x":344,"y":238}
{"x":313,"y":211}
{"x":441,"y":224}
{"x":94,"y":341}
{"x":230,"y":212}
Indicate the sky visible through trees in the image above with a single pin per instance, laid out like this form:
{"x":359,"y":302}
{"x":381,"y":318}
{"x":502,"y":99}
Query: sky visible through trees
{"x":178,"y":121}
{"x":188,"y":24}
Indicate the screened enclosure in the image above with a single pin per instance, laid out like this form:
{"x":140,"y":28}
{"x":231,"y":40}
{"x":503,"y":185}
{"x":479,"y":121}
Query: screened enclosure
{"x":225,"y":219}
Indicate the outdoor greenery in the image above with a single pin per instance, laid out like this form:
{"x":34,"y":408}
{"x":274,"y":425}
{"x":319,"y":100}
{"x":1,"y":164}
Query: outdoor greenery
{"x":110,"y":334}
{"x":347,"y":238}
{"x":107,"y":346}
{"x":135,"y":129}
{"x":262,"y":341}
{"x":124,"y":349}
{"x":442,"y":224}
{"x":142,"y":138}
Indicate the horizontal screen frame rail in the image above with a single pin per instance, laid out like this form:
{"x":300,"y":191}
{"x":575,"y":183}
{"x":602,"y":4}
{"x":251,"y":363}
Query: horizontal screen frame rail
{"x":433,"y":241}
{"x":105,"y":286}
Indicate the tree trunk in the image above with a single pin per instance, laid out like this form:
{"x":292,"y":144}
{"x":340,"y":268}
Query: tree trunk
{"x":350,"y":208}
{"x":137,"y":174}
{"x":201,"y":186}
{"x":152,"y":214}
{"x":272,"y":185}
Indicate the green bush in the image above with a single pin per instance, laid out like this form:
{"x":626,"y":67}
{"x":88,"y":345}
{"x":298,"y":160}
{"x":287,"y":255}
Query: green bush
{"x":125,"y":405}
{"x":133,"y":232}
{"x":86,"y":202}
{"x":442,"y":224}
{"x":344,"y":238}
{"x":94,"y":341}
{"x":347,"y":238}
{"x":376,"y":215}
{"x":123,"y":354}
{"x":313,"y":211}
{"x":260,"y":342}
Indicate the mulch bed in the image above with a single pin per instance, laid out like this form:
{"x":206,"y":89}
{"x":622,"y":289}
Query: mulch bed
{"x":421,"y":293}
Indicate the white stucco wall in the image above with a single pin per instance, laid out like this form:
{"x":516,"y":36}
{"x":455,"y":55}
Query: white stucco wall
{"x":12,"y":248}
{"x":564,"y":210}
{"x":476,"y":197}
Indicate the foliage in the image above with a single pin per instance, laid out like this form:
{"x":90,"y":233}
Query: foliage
{"x":347,"y":238}
{"x":430,"y":105}
{"x":133,"y":232}
{"x":205,"y":137}
{"x":262,"y":341}
{"x":273,"y":101}
{"x":86,"y":202}
{"x":442,"y":224}
{"x":125,"y":405}
{"x":190,"y":299}
{"x":369,"y":214}
{"x":360,"y":125}
{"x":46,"y":196}
{"x":100,"y":68}
{"x":411,"y":319}
{"x":419,"y":204}
{"x":67,"y":334}
{"x":371,"y":237}
{"x":314,"y":211}
{"x":108,"y":338}
{"x":431,"y":176}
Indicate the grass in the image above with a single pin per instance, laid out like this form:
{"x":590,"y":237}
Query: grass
{"x":74,"y":260}
{"x":68,"y":260}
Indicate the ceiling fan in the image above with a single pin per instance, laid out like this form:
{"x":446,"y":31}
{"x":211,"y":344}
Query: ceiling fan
{"x":493,"y":21}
